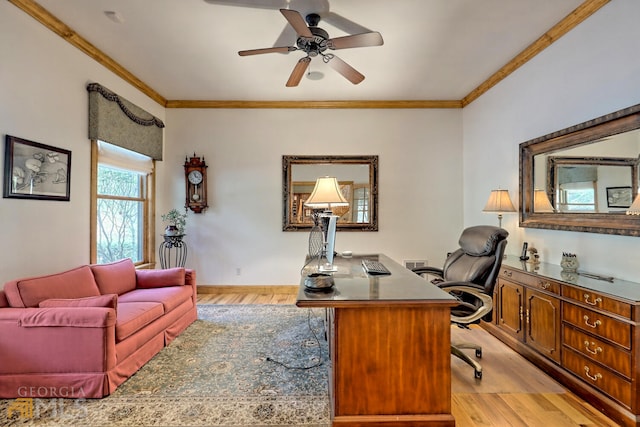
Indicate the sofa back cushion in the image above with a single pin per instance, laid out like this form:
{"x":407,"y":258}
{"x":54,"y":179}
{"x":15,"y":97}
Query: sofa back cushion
{"x":76,"y":283}
{"x":107,"y":301}
{"x":160,"y":278}
{"x":117,"y":277}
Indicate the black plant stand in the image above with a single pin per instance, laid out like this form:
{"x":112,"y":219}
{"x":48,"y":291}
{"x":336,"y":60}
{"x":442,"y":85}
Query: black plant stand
{"x":169,"y":245}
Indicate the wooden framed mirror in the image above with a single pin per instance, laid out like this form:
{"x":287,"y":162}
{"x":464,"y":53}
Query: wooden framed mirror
{"x":358,"y":180}
{"x":595,"y":163}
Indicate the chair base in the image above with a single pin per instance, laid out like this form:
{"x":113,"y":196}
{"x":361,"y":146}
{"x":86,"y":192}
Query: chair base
{"x":456,"y":350}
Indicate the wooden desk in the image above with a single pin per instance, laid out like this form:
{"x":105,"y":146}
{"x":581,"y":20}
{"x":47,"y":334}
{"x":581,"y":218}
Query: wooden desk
{"x":389,"y":339}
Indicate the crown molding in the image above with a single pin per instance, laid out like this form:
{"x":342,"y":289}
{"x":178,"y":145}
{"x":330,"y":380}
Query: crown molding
{"x":581,"y":13}
{"x":313,"y":104}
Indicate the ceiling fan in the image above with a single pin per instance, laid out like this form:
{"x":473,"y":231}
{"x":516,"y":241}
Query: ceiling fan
{"x":315,"y":41}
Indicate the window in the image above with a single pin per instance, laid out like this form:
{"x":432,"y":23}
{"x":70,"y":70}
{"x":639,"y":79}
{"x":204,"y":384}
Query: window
{"x":121,"y":223}
{"x":577,"y":197}
{"x":361,"y":204}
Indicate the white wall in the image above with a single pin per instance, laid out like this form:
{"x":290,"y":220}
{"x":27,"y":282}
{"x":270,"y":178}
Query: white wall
{"x":43,"y":98}
{"x":589,"y":72}
{"x":420,"y":193}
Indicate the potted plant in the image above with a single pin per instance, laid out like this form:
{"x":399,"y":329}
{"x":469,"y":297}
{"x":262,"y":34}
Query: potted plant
{"x":177,"y":221}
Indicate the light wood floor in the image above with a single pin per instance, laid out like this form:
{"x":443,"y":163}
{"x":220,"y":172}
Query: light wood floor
{"x":512,"y":391}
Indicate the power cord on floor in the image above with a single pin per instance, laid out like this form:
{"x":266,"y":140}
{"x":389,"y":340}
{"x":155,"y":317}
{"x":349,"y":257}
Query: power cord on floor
{"x":303,"y":368}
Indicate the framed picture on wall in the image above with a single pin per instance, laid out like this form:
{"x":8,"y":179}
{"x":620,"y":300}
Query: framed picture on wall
{"x":36,"y":171}
{"x":619,"y":197}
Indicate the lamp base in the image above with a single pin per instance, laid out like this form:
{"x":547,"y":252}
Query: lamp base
{"x":328,"y":268}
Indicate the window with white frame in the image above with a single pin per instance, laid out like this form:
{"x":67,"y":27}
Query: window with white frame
{"x":577,"y":197}
{"x":121,"y":223}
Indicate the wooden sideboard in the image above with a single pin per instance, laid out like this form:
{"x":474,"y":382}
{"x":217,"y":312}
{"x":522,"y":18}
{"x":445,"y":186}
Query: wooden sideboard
{"x":582,"y":331}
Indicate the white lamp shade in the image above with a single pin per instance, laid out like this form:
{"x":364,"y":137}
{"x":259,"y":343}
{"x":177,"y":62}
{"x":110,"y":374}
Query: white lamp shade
{"x":499,"y":201}
{"x":326,"y":194}
{"x":541,"y":202}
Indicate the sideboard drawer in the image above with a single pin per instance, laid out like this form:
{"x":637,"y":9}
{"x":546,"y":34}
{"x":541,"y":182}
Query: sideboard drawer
{"x":597,"y":301}
{"x":613,"y":357}
{"x":597,"y":324}
{"x":597,"y":376}
{"x":537,"y":282}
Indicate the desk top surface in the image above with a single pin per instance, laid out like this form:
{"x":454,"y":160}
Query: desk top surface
{"x":354,"y":287}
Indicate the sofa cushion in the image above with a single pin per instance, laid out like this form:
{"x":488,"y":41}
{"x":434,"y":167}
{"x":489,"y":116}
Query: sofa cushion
{"x":133,"y":316}
{"x":170,"y":297}
{"x":76,"y":283}
{"x":115,"y":278}
{"x":160,"y":278}
{"x":3,"y":300}
{"x":108,"y":301}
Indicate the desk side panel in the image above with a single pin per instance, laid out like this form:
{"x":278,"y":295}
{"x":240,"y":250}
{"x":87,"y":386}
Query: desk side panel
{"x":392,"y":361}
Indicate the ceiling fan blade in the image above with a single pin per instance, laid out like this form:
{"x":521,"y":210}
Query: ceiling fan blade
{"x":258,"y":4}
{"x":357,"y":40}
{"x":343,"y":68}
{"x":298,"y":72}
{"x":284,"y":49}
{"x":297,"y":22}
{"x":344,"y":24}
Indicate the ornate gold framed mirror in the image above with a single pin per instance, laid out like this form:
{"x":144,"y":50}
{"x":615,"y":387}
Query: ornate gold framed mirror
{"x":581,"y":168}
{"x":358,"y":180}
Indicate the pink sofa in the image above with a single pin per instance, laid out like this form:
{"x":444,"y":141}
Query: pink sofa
{"x":83,"y":332}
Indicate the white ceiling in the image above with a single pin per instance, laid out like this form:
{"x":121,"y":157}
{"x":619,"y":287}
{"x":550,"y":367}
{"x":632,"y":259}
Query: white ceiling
{"x":433,"y":49}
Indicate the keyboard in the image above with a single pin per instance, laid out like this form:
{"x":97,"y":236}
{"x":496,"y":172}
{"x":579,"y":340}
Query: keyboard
{"x":374,"y":267}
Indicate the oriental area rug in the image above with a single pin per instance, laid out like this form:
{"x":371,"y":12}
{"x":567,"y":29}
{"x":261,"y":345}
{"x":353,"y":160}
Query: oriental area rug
{"x":237,"y":365}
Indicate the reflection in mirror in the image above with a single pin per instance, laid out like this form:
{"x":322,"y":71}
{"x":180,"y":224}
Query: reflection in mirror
{"x":588,"y":173}
{"x":591,"y":184}
{"x":357,"y":176}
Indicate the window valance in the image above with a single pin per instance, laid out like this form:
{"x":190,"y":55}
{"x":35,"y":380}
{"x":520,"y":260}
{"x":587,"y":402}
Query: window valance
{"x":119,"y":122}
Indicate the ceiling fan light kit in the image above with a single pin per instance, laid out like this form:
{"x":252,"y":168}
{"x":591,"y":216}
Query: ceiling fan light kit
{"x":314,"y":41}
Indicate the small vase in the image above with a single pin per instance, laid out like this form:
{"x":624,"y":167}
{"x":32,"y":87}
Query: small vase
{"x":171,"y":230}
{"x":569,"y":264}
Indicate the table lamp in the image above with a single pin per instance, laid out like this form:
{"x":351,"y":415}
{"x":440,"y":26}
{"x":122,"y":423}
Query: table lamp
{"x":541,"y":203}
{"x":500,"y":202}
{"x":634,"y":209}
{"x":326,"y":196}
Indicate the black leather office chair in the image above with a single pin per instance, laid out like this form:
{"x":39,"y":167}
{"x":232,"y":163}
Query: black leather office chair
{"x":470,"y":275}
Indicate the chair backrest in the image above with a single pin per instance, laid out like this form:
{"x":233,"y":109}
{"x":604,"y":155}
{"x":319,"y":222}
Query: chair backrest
{"x":479,"y":257}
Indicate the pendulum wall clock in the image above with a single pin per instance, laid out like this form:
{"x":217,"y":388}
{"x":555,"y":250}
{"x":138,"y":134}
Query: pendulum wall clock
{"x":195,"y":172}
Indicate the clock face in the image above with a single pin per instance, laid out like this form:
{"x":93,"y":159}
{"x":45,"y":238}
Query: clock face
{"x":195,"y":177}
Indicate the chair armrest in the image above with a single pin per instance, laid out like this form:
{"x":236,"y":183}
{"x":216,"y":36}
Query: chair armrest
{"x":430,"y":271}
{"x":483,"y":310}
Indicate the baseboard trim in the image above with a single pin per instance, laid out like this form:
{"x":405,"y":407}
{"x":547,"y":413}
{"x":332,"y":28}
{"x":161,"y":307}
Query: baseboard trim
{"x":248,"y":289}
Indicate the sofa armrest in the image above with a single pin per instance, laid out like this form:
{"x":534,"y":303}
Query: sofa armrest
{"x":57,"y":340}
{"x":78,"y":317}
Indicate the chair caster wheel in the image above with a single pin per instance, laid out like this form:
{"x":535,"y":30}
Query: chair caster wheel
{"x":478,"y":375}
{"x":479,"y":353}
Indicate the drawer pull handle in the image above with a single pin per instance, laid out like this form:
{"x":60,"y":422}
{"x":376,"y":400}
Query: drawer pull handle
{"x":596,"y":351}
{"x":591,"y":325}
{"x":545,"y":285}
{"x":595,"y":302}
{"x":507,"y":273}
{"x":595,"y":377}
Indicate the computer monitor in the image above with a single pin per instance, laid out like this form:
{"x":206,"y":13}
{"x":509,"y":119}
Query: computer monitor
{"x":329,"y":228}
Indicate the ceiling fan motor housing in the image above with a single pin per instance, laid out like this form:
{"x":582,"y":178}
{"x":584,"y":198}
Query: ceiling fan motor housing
{"x":318,"y":44}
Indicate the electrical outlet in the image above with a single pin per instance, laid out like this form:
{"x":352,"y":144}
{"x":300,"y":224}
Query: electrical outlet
{"x":238,"y":271}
